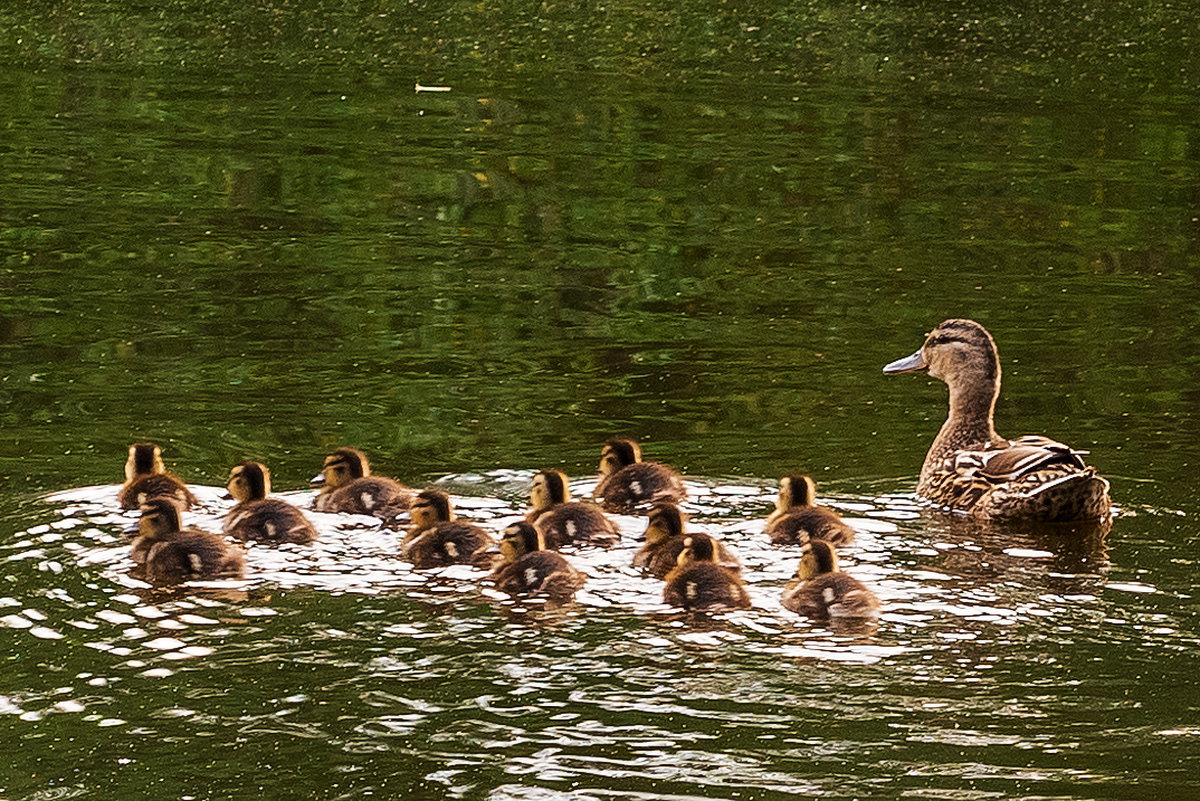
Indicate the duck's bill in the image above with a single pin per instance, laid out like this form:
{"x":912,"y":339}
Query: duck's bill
{"x":317,"y":480}
{"x":909,"y":364}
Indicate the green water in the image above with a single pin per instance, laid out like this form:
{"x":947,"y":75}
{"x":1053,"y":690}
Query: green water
{"x":236,"y":229}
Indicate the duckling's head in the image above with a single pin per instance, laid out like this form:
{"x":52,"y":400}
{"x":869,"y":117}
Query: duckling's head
{"x":957,"y":350}
{"x":341,"y":467}
{"x":817,"y":557}
{"x":160,"y":518}
{"x":519,"y":539}
{"x":795,"y":491}
{"x":145,"y":459}
{"x":249,"y":481}
{"x":663,"y":521}
{"x":698,"y":548}
{"x":549,"y":488}
{"x":429,"y":508}
{"x":618,"y":453}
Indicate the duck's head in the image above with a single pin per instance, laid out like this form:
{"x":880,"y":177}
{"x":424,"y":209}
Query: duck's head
{"x":160,"y":518}
{"x":549,"y":488}
{"x":956,"y":351}
{"x":519,"y":539}
{"x":663,"y":521}
{"x":618,"y":453}
{"x":341,"y":467}
{"x":145,"y":459}
{"x":698,"y":548}
{"x":795,"y":491}
{"x":816,"y":558}
{"x":429,"y":508}
{"x":249,"y":481}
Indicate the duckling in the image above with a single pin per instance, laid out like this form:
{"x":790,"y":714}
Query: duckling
{"x":436,"y":539}
{"x":529,"y":569}
{"x":665,"y":541}
{"x":972,"y":469}
{"x":698,"y":582}
{"x":171,"y":554}
{"x":796,"y":517}
{"x":146,"y":476}
{"x":257,"y":517}
{"x":822,"y":591}
{"x":626,"y":481}
{"x":347,"y":486}
{"x":563,"y":521}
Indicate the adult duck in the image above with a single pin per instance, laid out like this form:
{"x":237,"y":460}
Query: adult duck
{"x":972,"y":469}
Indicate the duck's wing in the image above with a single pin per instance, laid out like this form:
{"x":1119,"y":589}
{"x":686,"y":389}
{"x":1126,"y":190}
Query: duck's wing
{"x":1019,"y":458}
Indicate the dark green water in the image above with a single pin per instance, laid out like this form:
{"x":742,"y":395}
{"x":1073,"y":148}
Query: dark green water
{"x":237,"y":229}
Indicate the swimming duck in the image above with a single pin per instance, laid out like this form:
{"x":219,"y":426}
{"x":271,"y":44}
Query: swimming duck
{"x":822,"y":591}
{"x":562,"y":521}
{"x":698,"y":582}
{"x":146,"y":477}
{"x":257,"y":517}
{"x":347,"y":486}
{"x":972,"y":469}
{"x":171,"y":554}
{"x":529,"y":569}
{"x":796,"y":517}
{"x":666,"y":540}
{"x":626,"y":481}
{"x":436,"y":539}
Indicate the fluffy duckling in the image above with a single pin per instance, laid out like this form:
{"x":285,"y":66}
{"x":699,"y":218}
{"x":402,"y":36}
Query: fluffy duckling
{"x":146,"y":477}
{"x":626,"y":481}
{"x":822,"y":591}
{"x":698,"y":582}
{"x":797,"y":517}
{"x":529,"y":569}
{"x":347,"y":486}
{"x":171,"y":554}
{"x":436,"y":539}
{"x":562,"y":521}
{"x":257,"y":517}
{"x":665,"y":541}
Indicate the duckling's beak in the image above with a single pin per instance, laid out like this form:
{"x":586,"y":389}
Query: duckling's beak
{"x":318,"y":480}
{"x":225,"y":496}
{"x":909,"y":364}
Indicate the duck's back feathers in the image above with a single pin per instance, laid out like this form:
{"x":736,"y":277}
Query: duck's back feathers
{"x":540,"y":573}
{"x":640,"y":483}
{"x":659,"y":559}
{"x":575,"y":523}
{"x":448,"y":543}
{"x":269,"y":520}
{"x":189,"y":555}
{"x":831,"y":595}
{"x":158,"y":485}
{"x":377,"y":496}
{"x":799,"y":524}
{"x":705,"y":585}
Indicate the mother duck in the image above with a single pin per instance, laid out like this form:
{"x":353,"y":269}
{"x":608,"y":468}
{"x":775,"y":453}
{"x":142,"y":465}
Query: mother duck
{"x":972,"y":469}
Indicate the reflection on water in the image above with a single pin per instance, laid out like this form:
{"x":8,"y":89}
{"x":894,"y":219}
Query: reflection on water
{"x":478,"y":693}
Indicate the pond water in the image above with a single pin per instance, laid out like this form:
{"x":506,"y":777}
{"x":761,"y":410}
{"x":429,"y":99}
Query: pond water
{"x":239,"y":230}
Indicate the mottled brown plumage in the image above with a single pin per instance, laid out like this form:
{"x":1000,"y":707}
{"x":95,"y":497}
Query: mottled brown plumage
{"x":562,"y":521}
{"x":821,"y":591}
{"x":627,"y":482}
{"x":347,"y":485}
{"x":797,"y":518}
{"x":256,"y":517}
{"x":970,"y":468}
{"x":146,"y":477}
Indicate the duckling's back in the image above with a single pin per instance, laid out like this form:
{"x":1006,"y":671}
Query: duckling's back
{"x":640,"y":483}
{"x":269,"y":520}
{"x":540,"y":572}
{"x":831,"y":595}
{"x":575,"y":523}
{"x":799,"y":524}
{"x":705,"y":585}
{"x":190,"y":555}
{"x":157,"y":485}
